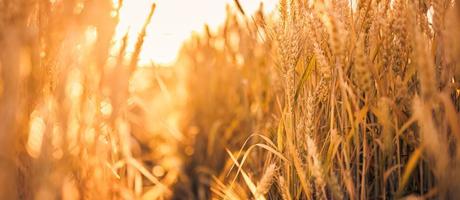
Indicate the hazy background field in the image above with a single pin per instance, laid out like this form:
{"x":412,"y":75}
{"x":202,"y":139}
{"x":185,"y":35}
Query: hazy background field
{"x":230,"y":99}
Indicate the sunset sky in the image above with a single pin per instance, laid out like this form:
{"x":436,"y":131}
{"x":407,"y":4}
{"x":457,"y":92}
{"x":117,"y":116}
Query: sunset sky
{"x":173,"y":22}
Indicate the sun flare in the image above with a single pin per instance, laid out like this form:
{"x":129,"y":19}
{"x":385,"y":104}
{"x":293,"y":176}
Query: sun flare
{"x":172,"y":23}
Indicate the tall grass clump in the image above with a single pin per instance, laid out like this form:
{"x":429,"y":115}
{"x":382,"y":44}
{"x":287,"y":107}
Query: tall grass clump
{"x":226,"y":97}
{"x":70,"y":110}
{"x":348,"y":99}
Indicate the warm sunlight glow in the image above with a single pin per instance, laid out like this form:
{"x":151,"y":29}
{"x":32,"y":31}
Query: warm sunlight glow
{"x":36,"y":132}
{"x":229,"y":99}
{"x":172,"y":23}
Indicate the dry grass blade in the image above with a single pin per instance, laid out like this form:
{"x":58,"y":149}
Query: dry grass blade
{"x":409,"y":168}
{"x":305,"y":76}
{"x":140,"y":39}
{"x":252,"y":187}
{"x":240,"y":8}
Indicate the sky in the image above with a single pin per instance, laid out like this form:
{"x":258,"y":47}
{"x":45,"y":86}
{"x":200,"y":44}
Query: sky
{"x":173,"y":22}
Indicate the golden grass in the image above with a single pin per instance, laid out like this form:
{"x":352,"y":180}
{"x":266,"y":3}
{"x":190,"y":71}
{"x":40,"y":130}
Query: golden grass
{"x":320,"y":100}
{"x":362,"y":100}
{"x":74,"y":123}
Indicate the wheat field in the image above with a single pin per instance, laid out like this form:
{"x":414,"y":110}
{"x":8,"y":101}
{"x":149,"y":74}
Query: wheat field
{"x":319,"y":99}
